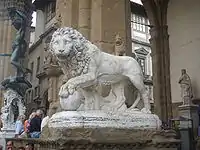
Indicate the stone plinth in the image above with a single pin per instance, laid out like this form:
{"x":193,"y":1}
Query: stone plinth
{"x":91,"y":130}
{"x":150,"y":140}
{"x":6,"y":134}
{"x":190,"y":112}
{"x":94,"y":119}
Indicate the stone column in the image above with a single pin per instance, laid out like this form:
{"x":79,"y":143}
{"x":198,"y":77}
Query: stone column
{"x":190,"y":112}
{"x":161,"y":72}
{"x":53,"y":72}
{"x":157,"y":13}
{"x":8,"y":37}
{"x":84,"y":17}
{"x":53,"y":93}
{"x":40,"y":20}
{"x":68,"y":11}
{"x":6,"y":32}
{"x":109,"y":18}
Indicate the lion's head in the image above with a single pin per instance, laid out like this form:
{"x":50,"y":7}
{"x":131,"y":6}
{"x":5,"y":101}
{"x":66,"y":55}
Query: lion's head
{"x":67,"y":43}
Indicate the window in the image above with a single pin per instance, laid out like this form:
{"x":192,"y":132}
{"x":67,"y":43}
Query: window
{"x":31,"y":95}
{"x":27,"y":96}
{"x":50,"y":10}
{"x":37,"y":91}
{"x":143,"y":26}
{"x":141,"y":61}
{"x":138,"y":23}
{"x":38,"y":64}
{"x":32,"y":67}
{"x":148,"y":28}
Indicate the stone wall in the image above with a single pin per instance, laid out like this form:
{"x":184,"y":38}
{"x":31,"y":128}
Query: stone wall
{"x":99,"y":20}
{"x":184,"y":41}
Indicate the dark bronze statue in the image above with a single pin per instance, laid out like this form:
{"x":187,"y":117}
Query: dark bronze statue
{"x":19,"y":45}
{"x":19,"y":83}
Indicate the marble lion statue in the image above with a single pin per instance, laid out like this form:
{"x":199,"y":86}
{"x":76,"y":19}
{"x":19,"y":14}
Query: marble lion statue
{"x":84,"y":65}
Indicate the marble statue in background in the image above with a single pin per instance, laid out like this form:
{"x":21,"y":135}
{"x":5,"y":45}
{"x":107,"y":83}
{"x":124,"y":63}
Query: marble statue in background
{"x":186,"y":88}
{"x":14,"y":92}
{"x":119,"y":46}
{"x":13,"y":107}
{"x":86,"y":66}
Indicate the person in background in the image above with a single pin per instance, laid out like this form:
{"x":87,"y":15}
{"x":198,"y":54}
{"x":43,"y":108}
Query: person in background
{"x":29,"y":146}
{"x":21,"y":148}
{"x":19,"y":125}
{"x":35,"y":125}
{"x":10,"y":145}
{"x":1,"y":123}
{"x":25,"y":134}
{"x":27,"y":122}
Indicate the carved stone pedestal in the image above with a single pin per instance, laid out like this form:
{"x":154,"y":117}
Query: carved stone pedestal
{"x":91,"y":130}
{"x":107,"y":139}
{"x":101,"y":130}
{"x":6,"y":133}
{"x":190,"y":112}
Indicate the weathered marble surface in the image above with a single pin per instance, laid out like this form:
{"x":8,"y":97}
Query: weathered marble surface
{"x":103,"y":119}
{"x":13,"y":107}
{"x":186,"y":88}
{"x":153,"y":140}
{"x":86,"y":113}
{"x":86,"y":66}
{"x":91,"y":124}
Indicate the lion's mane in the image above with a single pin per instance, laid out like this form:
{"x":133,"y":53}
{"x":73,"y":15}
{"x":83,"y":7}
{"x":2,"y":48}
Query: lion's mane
{"x":78,"y":61}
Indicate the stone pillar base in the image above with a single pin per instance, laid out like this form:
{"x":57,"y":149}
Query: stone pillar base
{"x":101,"y":130}
{"x":149,"y":140}
{"x":4,"y":135}
{"x":190,"y":112}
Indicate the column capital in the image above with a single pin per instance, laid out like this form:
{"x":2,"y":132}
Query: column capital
{"x":156,"y":11}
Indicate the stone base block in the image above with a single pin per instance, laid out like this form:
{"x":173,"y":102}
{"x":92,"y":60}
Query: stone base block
{"x":6,"y":134}
{"x":103,"y":119}
{"x":97,"y":130}
{"x":124,"y":140}
{"x":91,"y":124}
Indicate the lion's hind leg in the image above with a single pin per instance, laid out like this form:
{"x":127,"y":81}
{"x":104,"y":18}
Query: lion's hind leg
{"x":137,"y":81}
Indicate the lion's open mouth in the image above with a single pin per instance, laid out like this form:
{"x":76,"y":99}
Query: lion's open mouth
{"x":62,"y":56}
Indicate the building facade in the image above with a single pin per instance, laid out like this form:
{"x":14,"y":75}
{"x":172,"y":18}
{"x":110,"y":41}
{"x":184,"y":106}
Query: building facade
{"x":140,"y":43}
{"x":37,"y":96}
{"x":167,"y":40}
{"x":45,"y":22}
{"x":45,"y":78}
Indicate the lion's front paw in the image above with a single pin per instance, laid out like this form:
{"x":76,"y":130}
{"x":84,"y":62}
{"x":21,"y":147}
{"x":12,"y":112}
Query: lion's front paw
{"x":146,"y":111}
{"x":68,"y":88}
{"x":71,"y":89}
{"x":63,"y":92}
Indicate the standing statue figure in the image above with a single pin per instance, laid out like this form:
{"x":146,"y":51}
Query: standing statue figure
{"x":186,"y":88}
{"x":19,"y":45}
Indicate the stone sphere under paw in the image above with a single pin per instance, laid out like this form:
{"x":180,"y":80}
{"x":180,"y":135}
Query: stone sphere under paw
{"x":71,"y":102}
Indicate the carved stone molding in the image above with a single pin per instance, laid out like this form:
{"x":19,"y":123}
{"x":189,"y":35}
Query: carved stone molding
{"x":132,"y":143}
